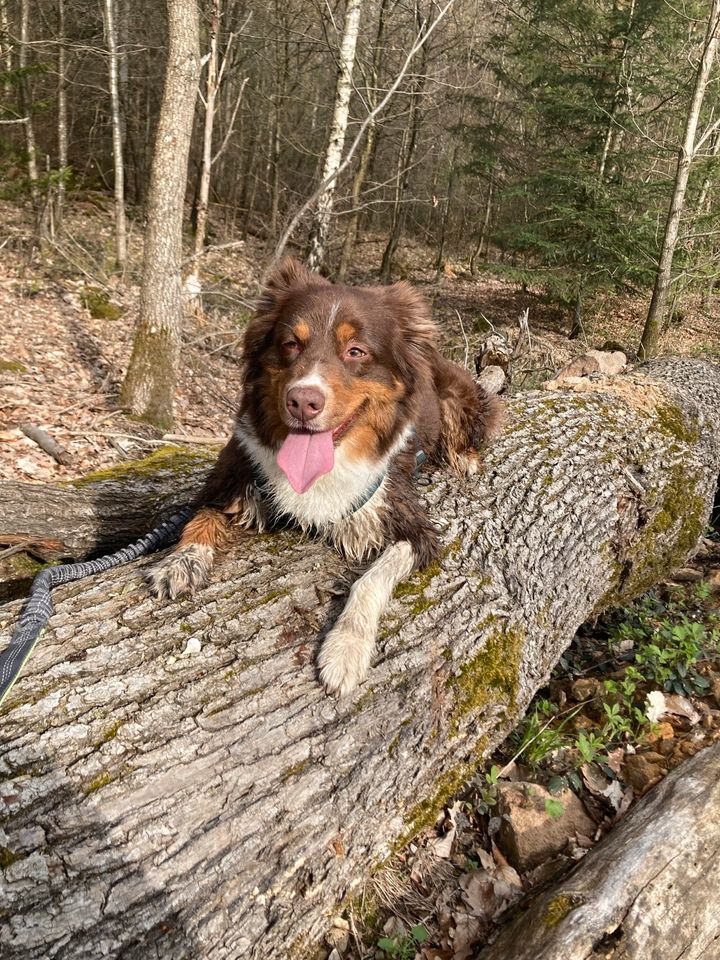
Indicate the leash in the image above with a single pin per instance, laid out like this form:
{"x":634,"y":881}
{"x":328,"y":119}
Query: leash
{"x":39,"y":607}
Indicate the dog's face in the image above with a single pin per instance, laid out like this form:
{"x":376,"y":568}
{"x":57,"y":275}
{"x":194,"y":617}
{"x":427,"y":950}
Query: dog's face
{"x":331,"y":359}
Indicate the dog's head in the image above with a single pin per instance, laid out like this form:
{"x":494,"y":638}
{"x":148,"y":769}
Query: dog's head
{"x":340,"y":361}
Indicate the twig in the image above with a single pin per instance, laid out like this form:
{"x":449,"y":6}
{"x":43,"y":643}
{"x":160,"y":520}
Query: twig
{"x":467,"y":343}
{"x":46,"y":443}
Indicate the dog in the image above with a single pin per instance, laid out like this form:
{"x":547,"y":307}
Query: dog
{"x":344,"y":391}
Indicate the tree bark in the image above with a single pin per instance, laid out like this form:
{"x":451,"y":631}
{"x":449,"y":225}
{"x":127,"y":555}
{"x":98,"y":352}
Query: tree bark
{"x":653,"y":323}
{"x":62,"y":116}
{"x":336,"y":141}
{"x":26,"y":112}
{"x":105,"y":510}
{"x":216,"y":803}
{"x":405,"y":157}
{"x":647,"y":890}
{"x":149,"y":386}
{"x":368,"y":151}
{"x":109,"y":17}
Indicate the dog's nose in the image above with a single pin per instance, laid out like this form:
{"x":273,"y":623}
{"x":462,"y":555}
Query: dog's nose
{"x":305,"y":403}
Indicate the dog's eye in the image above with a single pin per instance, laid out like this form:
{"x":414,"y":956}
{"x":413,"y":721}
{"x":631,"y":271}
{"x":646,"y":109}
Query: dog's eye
{"x":355,"y":353}
{"x":290,"y":345}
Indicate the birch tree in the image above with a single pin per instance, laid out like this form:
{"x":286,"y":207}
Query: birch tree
{"x":62,"y":117}
{"x":336,"y":141}
{"x":109,"y":18}
{"x":149,"y":386}
{"x":216,"y":68}
{"x":688,"y":152}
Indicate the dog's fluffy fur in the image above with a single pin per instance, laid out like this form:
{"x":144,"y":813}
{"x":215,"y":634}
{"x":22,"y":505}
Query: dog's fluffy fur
{"x":387,"y":392}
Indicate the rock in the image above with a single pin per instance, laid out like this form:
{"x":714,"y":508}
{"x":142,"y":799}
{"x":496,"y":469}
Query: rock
{"x":609,"y":363}
{"x":713,"y":578}
{"x":716,"y":689}
{"x":594,"y":361}
{"x":585,"y":689}
{"x":580,"y":367}
{"x":528,"y":834}
{"x":492,"y":378}
{"x":643,"y":770}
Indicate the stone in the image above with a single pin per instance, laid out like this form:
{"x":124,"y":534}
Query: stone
{"x":528,"y":834}
{"x":643,"y":770}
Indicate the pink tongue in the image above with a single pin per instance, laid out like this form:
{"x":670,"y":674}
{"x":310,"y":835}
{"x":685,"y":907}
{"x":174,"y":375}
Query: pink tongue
{"x":306,"y":456}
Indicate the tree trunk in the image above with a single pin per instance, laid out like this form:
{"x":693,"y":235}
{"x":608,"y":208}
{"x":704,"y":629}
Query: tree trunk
{"x":192,"y":281}
{"x":367,"y":153}
{"x":405,"y":156}
{"x":117,"y":135}
{"x":62,"y":116}
{"x":26,"y":112}
{"x":336,"y":141}
{"x":653,"y":323}
{"x":216,"y":803}
{"x":149,"y":386}
{"x":103,"y":511}
{"x":648,"y":890}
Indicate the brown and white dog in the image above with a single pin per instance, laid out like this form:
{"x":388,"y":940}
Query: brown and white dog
{"x":343,"y":386}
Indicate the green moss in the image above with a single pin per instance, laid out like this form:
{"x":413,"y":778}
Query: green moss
{"x":21,"y":566}
{"x":295,"y":769}
{"x":671,"y":420}
{"x":425,"y":813}
{"x":269,"y":597}
{"x":99,"y":782}
{"x":491,"y":676}
{"x":560,"y":906}
{"x":656,"y":549}
{"x":175,"y":459}
{"x":416,"y":587}
{"x":9,"y":857}
{"x":13,"y":366}
{"x":97,"y":302}
{"x":111,"y":731}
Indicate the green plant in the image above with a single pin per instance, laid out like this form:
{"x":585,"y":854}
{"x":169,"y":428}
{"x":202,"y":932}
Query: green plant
{"x":553,"y":807}
{"x":589,"y":746}
{"x":488,"y":790}
{"x":404,"y":948}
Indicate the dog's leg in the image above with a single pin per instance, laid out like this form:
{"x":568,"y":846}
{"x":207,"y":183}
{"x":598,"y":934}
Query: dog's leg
{"x":188,"y":567}
{"x":348,"y":648}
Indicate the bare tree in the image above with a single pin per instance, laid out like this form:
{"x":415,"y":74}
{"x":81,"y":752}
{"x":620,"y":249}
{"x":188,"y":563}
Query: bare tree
{"x":368,"y":150}
{"x":149,"y":387}
{"x":216,"y":68}
{"x":62,"y":117}
{"x":109,"y":12}
{"x":336,"y":141}
{"x":26,"y":114}
{"x":686,"y":155}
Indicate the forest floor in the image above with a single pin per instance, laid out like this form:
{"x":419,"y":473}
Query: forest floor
{"x":65,"y":340}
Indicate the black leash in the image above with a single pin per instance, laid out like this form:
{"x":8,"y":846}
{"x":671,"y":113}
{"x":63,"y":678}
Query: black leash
{"x":39,"y":607}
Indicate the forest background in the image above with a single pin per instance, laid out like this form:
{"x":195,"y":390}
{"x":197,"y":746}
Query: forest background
{"x":570,"y":148}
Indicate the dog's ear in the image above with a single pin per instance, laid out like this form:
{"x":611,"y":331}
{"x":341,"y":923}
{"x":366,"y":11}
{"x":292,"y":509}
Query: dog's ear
{"x":415,"y":334}
{"x":290,"y":275}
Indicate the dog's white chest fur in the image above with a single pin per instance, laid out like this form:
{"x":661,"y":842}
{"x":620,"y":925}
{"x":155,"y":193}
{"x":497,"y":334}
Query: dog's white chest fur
{"x":331,"y":505}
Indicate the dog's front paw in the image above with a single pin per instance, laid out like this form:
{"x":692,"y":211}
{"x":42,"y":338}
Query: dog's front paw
{"x":467,"y":462}
{"x":182,"y":572}
{"x":344,"y":659}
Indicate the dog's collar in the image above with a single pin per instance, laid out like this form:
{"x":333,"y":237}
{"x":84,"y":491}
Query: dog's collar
{"x":262,"y":485}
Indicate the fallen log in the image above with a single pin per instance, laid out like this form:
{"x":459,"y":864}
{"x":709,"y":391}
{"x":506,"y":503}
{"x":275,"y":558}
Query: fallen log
{"x":649,"y":889}
{"x":175,"y":783}
{"x":105,"y":509}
